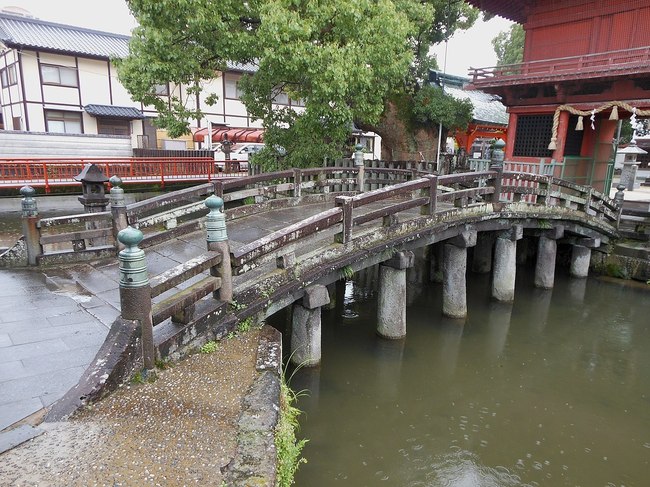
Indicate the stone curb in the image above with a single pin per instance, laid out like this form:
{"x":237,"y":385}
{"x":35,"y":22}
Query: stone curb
{"x":255,"y":460}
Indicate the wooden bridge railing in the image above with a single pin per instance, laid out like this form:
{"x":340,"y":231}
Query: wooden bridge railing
{"x":428,"y":194}
{"x":172,"y":214}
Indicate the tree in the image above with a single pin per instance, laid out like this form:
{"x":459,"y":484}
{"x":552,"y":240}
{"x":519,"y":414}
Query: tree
{"x":509,"y":45}
{"x":343,"y":59}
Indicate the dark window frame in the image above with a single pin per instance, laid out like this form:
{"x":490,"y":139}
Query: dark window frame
{"x":533,"y":135}
{"x":65,"y":116}
{"x":107,"y":122}
{"x":9,"y":76}
{"x":59,"y":68}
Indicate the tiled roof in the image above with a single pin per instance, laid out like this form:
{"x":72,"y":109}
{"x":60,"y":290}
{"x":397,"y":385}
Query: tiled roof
{"x":111,"y":111}
{"x":487,"y":108}
{"x":242,"y":68}
{"x":17,"y":32}
{"x":515,"y":10}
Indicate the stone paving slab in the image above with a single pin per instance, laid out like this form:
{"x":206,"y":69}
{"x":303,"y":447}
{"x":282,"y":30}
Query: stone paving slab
{"x":13,"y":412}
{"x":46,"y":341}
{"x":18,"y":436}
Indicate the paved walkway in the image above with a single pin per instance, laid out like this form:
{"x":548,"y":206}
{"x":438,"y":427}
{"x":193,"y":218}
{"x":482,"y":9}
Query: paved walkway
{"x":53,"y":321}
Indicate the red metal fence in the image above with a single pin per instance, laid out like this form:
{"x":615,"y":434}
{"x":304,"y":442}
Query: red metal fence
{"x":48,"y":173}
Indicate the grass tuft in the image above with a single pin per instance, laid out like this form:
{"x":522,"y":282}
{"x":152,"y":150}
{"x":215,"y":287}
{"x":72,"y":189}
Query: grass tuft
{"x":288,"y":448}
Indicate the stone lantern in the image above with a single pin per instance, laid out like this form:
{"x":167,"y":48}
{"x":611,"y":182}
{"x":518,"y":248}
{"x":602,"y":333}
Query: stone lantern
{"x":498,"y":155}
{"x":630,"y":165}
{"x":92,"y":184}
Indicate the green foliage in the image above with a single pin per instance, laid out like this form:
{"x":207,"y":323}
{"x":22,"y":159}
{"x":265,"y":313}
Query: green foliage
{"x":138,"y":378}
{"x":236,"y":305}
{"x":614,"y":269}
{"x":431,"y":104}
{"x":342,"y":59}
{"x":143,"y":377}
{"x":509,"y":45}
{"x":346,"y":272}
{"x":288,"y":448}
{"x":432,"y":22}
{"x":245,"y":325}
{"x":209,"y":347}
{"x":163,"y":364}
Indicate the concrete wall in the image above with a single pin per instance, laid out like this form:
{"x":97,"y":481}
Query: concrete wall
{"x":24,"y":144}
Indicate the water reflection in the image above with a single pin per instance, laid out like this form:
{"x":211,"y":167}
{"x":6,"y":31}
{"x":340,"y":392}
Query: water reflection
{"x":550,"y":390}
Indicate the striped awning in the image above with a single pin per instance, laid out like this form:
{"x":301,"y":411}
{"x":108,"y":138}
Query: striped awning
{"x":233,"y":134}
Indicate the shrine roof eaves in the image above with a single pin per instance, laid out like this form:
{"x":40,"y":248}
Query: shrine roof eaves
{"x":515,"y":10}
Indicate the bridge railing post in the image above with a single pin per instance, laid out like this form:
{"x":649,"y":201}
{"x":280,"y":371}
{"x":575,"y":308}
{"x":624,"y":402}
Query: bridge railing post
{"x":619,"y":198}
{"x":496,"y":164}
{"x":217,"y":240}
{"x":346,"y":232}
{"x":431,"y":208}
{"x":545,"y":184}
{"x":218,"y":188}
{"x":359,"y":164}
{"x":135,"y":291}
{"x":118,"y":209}
{"x":297,"y":183}
{"x":30,"y":220}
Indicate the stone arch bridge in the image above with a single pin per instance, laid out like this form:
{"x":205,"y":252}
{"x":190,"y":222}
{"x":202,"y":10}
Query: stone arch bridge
{"x":401,"y":219}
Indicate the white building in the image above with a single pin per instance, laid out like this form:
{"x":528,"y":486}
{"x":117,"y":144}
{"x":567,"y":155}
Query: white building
{"x":60,"y":94}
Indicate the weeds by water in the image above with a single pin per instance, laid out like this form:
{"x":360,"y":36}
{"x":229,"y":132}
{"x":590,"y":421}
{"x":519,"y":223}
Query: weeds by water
{"x":289,"y":449}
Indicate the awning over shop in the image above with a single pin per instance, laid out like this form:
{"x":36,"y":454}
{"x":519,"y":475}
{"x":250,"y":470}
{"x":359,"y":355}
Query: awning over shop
{"x":110,"y":111}
{"x":234,"y":134}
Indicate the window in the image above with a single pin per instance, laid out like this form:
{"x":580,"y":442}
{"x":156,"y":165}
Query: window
{"x":59,"y":75}
{"x":113,"y":126}
{"x":8,"y":76}
{"x":161,"y":90}
{"x":232,"y":87}
{"x":297,"y":103}
{"x":281,"y":98}
{"x":533,"y":135}
{"x":63,"y":122}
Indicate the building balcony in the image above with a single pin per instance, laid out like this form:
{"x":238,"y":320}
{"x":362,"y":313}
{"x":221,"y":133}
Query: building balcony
{"x":612,"y":64}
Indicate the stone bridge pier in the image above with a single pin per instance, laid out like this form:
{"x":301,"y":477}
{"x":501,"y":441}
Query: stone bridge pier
{"x":454,"y":288}
{"x":391,"y":307}
{"x":306,"y":326}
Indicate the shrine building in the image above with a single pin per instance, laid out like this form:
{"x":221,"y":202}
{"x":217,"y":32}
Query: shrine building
{"x":586,"y":66}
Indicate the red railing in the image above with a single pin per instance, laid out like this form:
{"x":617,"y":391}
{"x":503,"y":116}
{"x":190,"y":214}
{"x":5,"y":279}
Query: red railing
{"x":48,"y":173}
{"x":617,"y":62}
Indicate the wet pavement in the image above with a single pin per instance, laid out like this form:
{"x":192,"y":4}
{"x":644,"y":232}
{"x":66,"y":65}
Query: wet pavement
{"x":54,"y":320}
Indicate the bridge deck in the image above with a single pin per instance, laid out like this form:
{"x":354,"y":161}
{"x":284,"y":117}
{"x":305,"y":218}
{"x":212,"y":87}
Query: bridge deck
{"x":55,"y":320}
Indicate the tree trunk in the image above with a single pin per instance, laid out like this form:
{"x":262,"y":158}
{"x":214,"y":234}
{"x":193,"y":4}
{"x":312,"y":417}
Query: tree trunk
{"x":400,"y":142}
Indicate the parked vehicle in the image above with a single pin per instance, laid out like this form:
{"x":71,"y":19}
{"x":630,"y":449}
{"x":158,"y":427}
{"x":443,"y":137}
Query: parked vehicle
{"x":239,"y":154}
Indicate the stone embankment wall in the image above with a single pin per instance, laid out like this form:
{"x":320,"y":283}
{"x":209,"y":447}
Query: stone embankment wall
{"x":626,"y":261}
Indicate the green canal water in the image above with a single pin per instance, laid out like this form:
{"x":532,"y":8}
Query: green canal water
{"x":553,"y":390}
